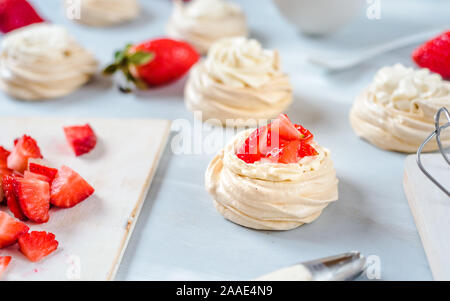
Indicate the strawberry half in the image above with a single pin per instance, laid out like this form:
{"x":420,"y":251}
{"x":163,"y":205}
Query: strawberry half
{"x":154,"y":63}
{"x":34,"y":198}
{"x":10,"y":230}
{"x":4,"y":262}
{"x":16,"y":14}
{"x":81,"y":139}
{"x":435,"y":55}
{"x":25,"y":148}
{"x":3,"y":157}
{"x":69,"y":188}
{"x":11,"y":197}
{"x":48,"y":172}
{"x":37,"y":245}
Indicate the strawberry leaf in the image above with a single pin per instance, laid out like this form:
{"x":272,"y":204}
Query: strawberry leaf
{"x":140,"y":58}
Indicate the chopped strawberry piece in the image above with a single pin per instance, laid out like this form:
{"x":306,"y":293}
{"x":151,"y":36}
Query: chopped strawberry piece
{"x":3,"y":157}
{"x":285,"y":128}
{"x":82,"y":139}
{"x":48,"y":172}
{"x":306,"y":150}
{"x":25,"y":148}
{"x":15,"y":14}
{"x":307,"y":136}
{"x":37,"y":245}
{"x":3,"y":172}
{"x":31,"y":175}
{"x":289,"y":153}
{"x":34,"y":198}
{"x":69,"y":188}
{"x":11,"y":197}
{"x":4,"y":262}
{"x":10,"y":230}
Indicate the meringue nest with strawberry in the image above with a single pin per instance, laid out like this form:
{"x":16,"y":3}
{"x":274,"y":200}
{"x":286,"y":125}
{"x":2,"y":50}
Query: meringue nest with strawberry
{"x":269,"y":181}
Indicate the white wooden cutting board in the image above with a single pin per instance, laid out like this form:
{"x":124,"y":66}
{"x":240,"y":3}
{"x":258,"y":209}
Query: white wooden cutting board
{"x":93,"y":235}
{"x":431,"y":210}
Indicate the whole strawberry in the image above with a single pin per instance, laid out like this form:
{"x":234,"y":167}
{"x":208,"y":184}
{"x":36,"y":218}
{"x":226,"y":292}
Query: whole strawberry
{"x":435,"y":55}
{"x":15,"y":14}
{"x":154,"y":63}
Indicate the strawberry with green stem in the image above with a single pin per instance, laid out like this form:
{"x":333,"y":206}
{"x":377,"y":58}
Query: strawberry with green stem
{"x":153,"y":63}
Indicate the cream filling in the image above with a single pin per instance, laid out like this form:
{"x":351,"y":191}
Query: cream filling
{"x":43,"y":61}
{"x":397,"y":111}
{"x":108,"y":12}
{"x":203,"y":22}
{"x":271,"y":196}
{"x":238,"y":80}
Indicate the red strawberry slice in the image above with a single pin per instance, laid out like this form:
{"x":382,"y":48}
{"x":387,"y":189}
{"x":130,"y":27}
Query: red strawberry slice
{"x":3,"y":172}
{"x":307,"y":136}
{"x":25,"y":148}
{"x":11,"y":198}
{"x":16,"y":14}
{"x":285,"y":129}
{"x":34,"y":198}
{"x":37,"y":245}
{"x":435,"y":55}
{"x":69,"y":188}
{"x":4,"y":262}
{"x":289,"y":154}
{"x":154,"y":63}
{"x":31,"y":175}
{"x":48,"y":172}
{"x":306,"y":150}
{"x":3,"y":157}
{"x":10,"y":230}
{"x":82,"y":139}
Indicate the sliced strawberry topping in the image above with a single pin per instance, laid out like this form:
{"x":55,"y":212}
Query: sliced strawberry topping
{"x":48,"y":172}
{"x":289,"y":153}
{"x":82,"y":139}
{"x":3,"y":157}
{"x":34,"y":198}
{"x":11,"y":197}
{"x":31,"y":175}
{"x":285,"y":128}
{"x":10,"y":230}
{"x":306,"y":150}
{"x":69,"y":188}
{"x":25,"y":148}
{"x":4,"y":262}
{"x":37,"y":245}
{"x":279,"y":142}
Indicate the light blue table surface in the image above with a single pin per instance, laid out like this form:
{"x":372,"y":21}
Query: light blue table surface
{"x":179,"y":235}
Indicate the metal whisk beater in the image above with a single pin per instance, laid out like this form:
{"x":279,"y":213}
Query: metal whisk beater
{"x":437,"y":133}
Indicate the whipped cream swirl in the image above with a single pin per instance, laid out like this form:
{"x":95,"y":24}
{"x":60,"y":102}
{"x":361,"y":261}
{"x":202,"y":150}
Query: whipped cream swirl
{"x":203,"y":22}
{"x":271,"y":196}
{"x":43,"y":61}
{"x":107,"y":12}
{"x":238,"y":80}
{"x":396,"y":112}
